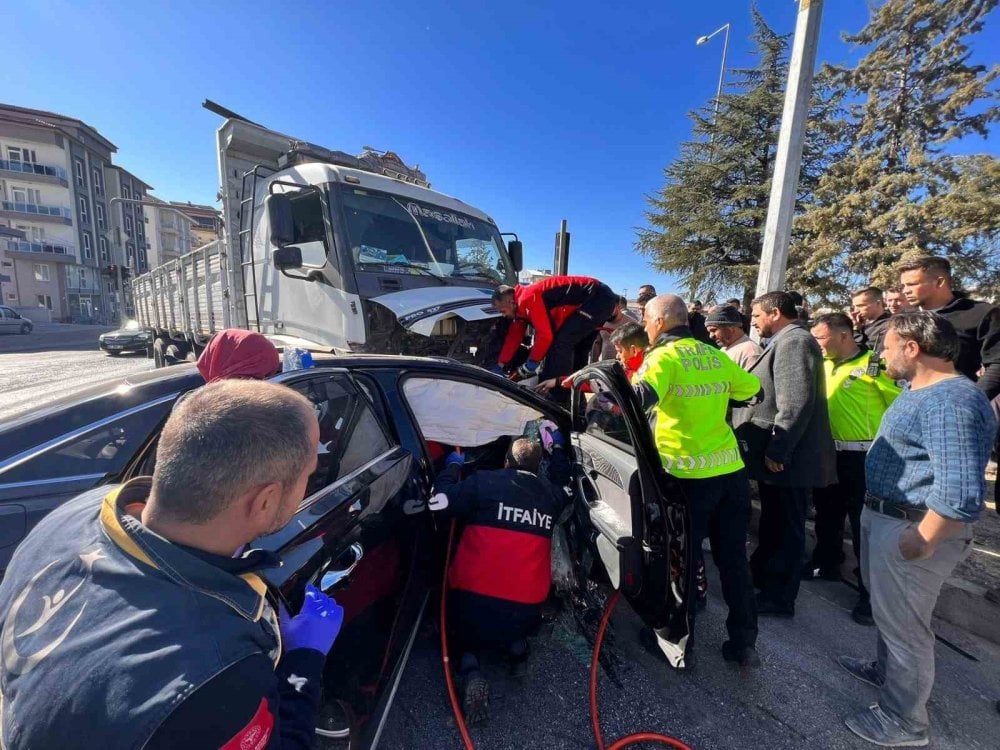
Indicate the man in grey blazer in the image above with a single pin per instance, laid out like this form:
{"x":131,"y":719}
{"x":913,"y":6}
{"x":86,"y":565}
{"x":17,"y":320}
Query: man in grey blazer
{"x":787,"y":448}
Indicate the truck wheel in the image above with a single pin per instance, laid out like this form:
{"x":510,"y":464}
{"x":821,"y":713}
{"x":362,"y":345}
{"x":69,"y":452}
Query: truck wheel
{"x":173,"y":355}
{"x":190,"y":357}
{"x":158,"y":360}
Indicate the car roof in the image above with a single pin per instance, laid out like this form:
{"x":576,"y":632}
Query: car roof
{"x":110,"y":397}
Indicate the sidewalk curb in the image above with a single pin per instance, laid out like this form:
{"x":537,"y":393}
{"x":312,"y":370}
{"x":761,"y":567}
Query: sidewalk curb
{"x":965,"y":604}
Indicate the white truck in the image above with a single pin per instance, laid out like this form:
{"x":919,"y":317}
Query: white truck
{"x":330,"y":252}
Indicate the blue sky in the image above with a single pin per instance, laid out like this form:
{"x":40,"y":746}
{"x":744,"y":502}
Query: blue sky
{"x":534,"y":112}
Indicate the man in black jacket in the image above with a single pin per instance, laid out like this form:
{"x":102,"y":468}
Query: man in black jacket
{"x":870,"y":318}
{"x":501,"y":572}
{"x":926,"y":283}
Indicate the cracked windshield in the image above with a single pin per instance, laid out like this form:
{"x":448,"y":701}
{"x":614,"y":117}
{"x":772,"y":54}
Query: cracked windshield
{"x":407,"y":236}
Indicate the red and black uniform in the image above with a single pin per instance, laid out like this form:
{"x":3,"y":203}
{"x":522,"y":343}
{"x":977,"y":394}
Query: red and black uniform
{"x":566,"y":313}
{"x":501,"y":572}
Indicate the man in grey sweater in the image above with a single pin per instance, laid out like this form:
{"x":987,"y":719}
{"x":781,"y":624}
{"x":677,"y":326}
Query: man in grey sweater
{"x":787,"y":446}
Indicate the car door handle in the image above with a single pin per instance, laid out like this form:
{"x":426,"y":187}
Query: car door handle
{"x":332,"y":577}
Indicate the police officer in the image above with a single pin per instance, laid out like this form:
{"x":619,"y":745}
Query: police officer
{"x":501,"y":572}
{"x":690,"y":385}
{"x":858,"y":393}
{"x":127,"y":618}
{"x":566,"y":313}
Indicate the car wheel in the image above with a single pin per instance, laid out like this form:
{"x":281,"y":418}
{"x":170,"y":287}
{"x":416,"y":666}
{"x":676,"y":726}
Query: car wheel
{"x":25,"y":329}
{"x":335,"y":726}
{"x":113,"y":354}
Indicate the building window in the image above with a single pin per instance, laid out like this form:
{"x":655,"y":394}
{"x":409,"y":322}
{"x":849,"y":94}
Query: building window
{"x":41,"y":271}
{"x":12,"y":296}
{"x":99,"y":211}
{"x":16,"y":153}
{"x":128,"y":225}
{"x":25,"y":195}
{"x":126,"y":193}
{"x":88,"y":253}
{"x":84,"y":210}
{"x":44,"y":300}
{"x":98,"y":181}
{"x":110,"y":285}
{"x":81,"y":178}
{"x":102,"y":247}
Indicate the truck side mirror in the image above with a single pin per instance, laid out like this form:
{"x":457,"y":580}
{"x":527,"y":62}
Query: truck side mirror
{"x":279,"y":218}
{"x":287,"y":257}
{"x":516,"y":251}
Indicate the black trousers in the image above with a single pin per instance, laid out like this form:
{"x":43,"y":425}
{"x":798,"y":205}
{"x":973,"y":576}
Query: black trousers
{"x":777,"y":562}
{"x":571,"y":344}
{"x":484,"y":623}
{"x":845,"y":499}
{"x":720,"y":509}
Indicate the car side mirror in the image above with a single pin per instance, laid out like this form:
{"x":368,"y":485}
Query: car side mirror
{"x":516,"y":252}
{"x":279,"y":218}
{"x":285,"y":258}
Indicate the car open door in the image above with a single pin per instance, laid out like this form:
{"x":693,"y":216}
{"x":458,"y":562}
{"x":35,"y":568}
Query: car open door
{"x":632,"y":512}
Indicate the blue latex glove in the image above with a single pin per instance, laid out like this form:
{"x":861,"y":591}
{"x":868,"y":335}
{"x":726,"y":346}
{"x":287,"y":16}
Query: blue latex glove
{"x":315,"y":626}
{"x":497,"y":369}
{"x":550,"y":435}
{"x":454,"y":458}
{"x":528,"y":369}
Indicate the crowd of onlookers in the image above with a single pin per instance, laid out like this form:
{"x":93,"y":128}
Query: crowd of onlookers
{"x":882,"y":414}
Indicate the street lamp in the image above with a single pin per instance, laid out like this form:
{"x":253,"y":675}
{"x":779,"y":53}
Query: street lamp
{"x":722,"y":71}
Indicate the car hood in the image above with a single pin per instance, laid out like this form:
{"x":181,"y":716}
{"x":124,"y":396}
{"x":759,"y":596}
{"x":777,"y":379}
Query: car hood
{"x":418,"y":310}
{"x":124,"y":332}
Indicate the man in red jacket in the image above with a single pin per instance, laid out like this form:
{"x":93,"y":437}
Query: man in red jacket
{"x":565,"y":312}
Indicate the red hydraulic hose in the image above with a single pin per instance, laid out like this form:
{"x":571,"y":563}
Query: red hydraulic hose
{"x":595,"y":721}
{"x":452,"y":695}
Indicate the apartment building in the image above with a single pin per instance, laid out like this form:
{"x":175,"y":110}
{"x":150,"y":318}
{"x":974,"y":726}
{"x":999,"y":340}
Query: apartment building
{"x":207,"y":221}
{"x":170,"y":233}
{"x":129,"y":238}
{"x":56,"y":184}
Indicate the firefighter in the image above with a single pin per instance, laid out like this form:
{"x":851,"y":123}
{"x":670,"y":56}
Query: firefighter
{"x":566,"y":313}
{"x":858,"y":393}
{"x":501,"y":573}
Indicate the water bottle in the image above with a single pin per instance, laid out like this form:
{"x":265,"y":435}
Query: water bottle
{"x":294,"y":358}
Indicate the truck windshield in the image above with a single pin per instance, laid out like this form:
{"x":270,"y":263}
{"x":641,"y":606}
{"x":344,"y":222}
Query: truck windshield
{"x":394,"y":231}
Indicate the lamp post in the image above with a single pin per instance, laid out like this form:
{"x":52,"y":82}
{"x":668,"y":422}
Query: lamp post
{"x":722,"y":71}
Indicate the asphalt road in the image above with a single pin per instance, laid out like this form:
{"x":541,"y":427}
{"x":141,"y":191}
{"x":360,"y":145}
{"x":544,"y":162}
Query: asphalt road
{"x":56,"y":360}
{"x":797,"y":699}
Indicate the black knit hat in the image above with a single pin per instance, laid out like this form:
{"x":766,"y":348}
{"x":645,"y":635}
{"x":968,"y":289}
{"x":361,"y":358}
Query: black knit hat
{"x":724,"y":315}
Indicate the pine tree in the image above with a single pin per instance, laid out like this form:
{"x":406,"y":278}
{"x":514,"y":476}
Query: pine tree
{"x":896,"y":189}
{"x":706,"y":222}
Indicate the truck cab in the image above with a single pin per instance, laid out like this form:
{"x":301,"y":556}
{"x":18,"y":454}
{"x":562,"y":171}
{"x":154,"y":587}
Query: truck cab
{"x":357,"y":254}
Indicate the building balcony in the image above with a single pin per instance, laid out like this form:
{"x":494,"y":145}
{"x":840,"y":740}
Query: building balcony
{"x":37,"y":211}
{"x":36,"y":172}
{"x":60,"y":252}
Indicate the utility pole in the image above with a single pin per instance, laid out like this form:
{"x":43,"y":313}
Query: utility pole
{"x":784,"y":184}
{"x":560,"y":261}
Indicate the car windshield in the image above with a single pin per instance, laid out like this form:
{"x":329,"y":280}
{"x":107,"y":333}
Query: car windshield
{"x":407,"y":236}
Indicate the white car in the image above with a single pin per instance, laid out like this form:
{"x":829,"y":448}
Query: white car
{"x":12,"y":322}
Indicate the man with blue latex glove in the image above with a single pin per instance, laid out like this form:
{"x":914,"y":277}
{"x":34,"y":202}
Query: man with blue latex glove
{"x":162,"y":563}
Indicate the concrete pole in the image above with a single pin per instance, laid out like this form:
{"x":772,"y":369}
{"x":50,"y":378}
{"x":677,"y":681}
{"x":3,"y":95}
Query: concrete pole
{"x":784,"y":184}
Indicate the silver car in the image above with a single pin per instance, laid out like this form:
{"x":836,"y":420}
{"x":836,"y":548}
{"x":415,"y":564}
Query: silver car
{"x":12,"y":322}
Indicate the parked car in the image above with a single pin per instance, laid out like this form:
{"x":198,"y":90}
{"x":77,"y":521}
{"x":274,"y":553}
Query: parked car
{"x":362,"y":528}
{"x":131,"y":337}
{"x":13,"y":322}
